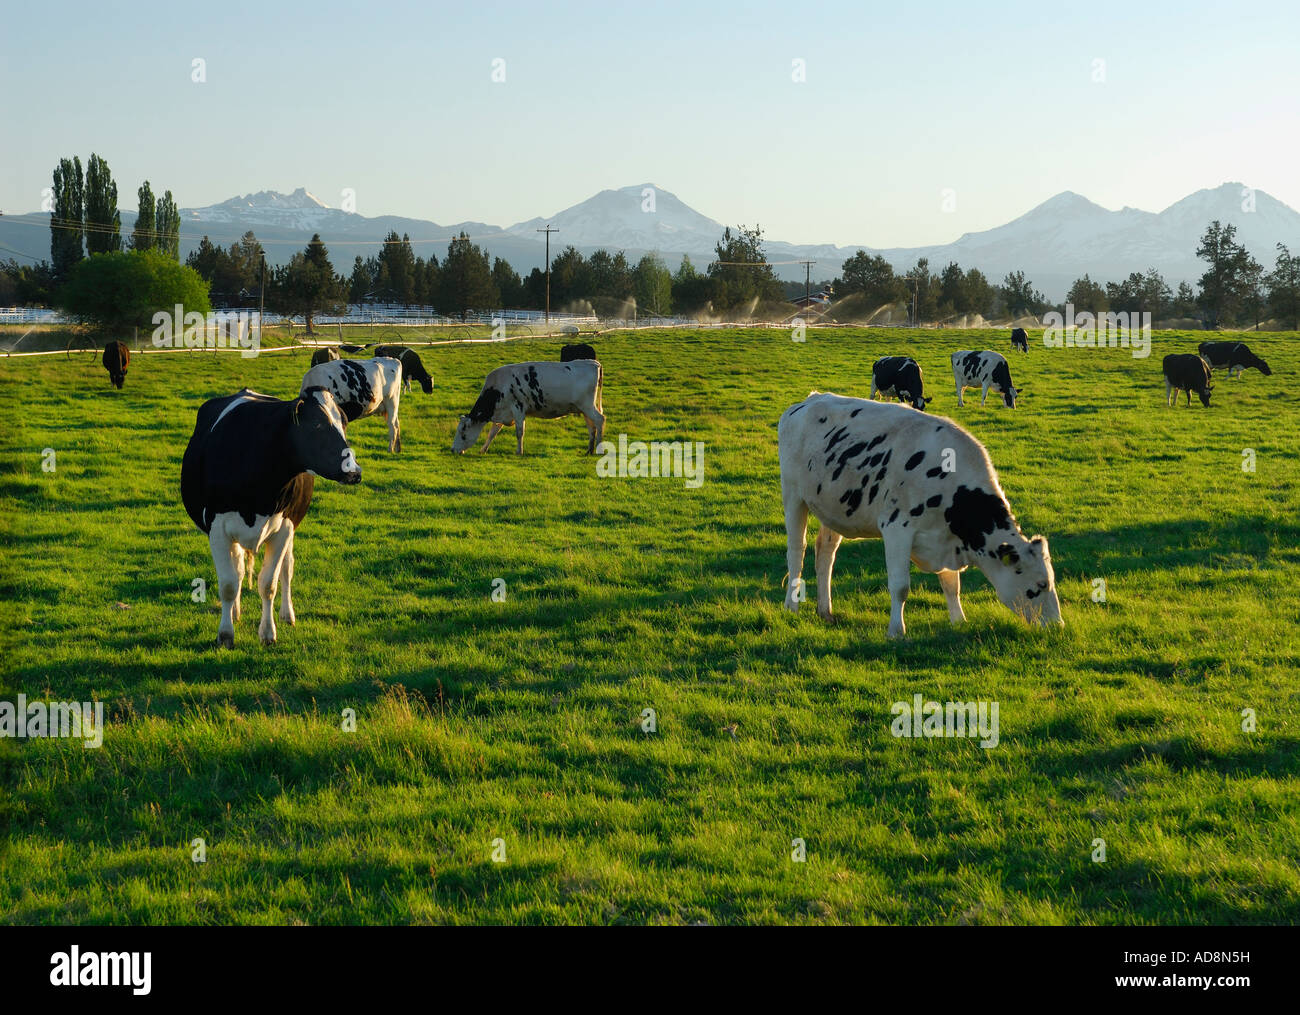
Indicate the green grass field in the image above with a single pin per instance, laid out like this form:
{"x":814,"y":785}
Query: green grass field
{"x":520,"y":720}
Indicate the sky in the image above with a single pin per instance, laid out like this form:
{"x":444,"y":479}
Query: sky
{"x":912,"y":124}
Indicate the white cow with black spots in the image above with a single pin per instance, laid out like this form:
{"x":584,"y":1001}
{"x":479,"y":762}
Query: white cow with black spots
{"x":987,"y":370}
{"x":363,"y":387}
{"x":543,"y":389}
{"x":924,"y":486}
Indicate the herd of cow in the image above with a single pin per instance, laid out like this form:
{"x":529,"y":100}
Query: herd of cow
{"x":863,"y":468}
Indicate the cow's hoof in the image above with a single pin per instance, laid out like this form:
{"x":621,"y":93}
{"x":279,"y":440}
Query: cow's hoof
{"x":225,"y":639}
{"x":288,"y":618}
{"x":266,"y":640}
{"x":829,"y":617}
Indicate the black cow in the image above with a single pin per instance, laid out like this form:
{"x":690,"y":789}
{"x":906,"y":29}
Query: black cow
{"x":899,"y":377}
{"x":1235,"y":356}
{"x":1019,"y":339}
{"x":412,"y":368}
{"x":324,"y":355}
{"x":579,"y":351}
{"x":1186,"y":372}
{"x":116,"y":357}
{"x":246,"y":480}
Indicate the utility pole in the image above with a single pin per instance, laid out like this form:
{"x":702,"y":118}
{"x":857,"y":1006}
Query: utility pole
{"x":261,"y":296}
{"x":548,"y":230}
{"x":807,"y":283}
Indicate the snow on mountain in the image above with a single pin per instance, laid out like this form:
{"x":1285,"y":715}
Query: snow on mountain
{"x":299,"y":210}
{"x":643,"y":217}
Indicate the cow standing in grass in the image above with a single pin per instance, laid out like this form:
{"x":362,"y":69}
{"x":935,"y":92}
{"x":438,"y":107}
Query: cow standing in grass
{"x":1019,"y":339}
{"x":1186,"y":372}
{"x":412,"y":367}
{"x":363,"y":387}
{"x":116,"y":358}
{"x":899,"y":377}
{"x":923,"y":485}
{"x":544,"y":389}
{"x":578,"y":350}
{"x":1235,"y":357}
{"x":326,"y":355}
{"x":246,"y":481}
{"x":987,"y":370}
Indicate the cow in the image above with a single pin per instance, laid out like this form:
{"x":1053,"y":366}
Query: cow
{"x":412,"y":368}
{"x":547,"y":390}
{"x":116,"y":357}
{"x":246,"y":481}
{"x":1019,"y":339}
{"x":326,"y":355}
{"x":899,"y":377}
{"x":1235,"y":356}
{"x":363,"y":387}
{"x":580,"y":350}
{"x":923,"y":485}
{"x":1186,"y":372}
{"x":985,"y":370}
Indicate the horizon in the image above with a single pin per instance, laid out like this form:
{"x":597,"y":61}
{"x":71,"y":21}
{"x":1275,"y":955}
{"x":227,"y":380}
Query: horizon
{"x":860,"y":152}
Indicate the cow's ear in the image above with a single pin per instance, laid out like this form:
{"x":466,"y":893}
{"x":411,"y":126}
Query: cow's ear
{"x":1007,"y":554}
{"x":297,"y":407}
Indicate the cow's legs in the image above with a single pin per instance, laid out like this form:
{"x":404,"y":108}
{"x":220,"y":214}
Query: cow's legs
{"x":960,"y":389}
{"x":1169,"y":393}
{"x":796,"y":541}
{"x":519,"y":435}
{"x":276,"y":545}
{"x":394,"y":431}
{"x":238,"y":556}
{"x":872,"y":396}
{"x":596,"y":425}
{"x":950,"y":582}
{"x":286,"y":576}
{"x":496,"y":429}
{"x":249,"y":569}
{"x":228,"y":582}
{"x":983,"y":395}
{"x":828,"y":541}
{"x":898,"y":565}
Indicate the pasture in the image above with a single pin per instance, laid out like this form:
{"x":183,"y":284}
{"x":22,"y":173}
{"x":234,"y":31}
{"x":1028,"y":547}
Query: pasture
{"x":521,"y":720}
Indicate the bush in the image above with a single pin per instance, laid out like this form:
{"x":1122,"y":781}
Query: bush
{"x":124,"y":289}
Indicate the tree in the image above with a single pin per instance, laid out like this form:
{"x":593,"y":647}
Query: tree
{"x":1225,"y":284}
{"x":307,"y":286}
{"x":66,"y":221}
{"x":652,"y":285}
{"x":923,"y":287}
{"x":741,"y":275}
{"x":466,"y":279}
{"x":952,"y":294}
{"x":246,"y":258}
{"x":980,"y":293}
{"x":1184,"y":301}
{"x":361,"y":282}
{"x":570,"y":277}
{"x":26,"y":285}
{"x":103,"y":220}
{"x":167,"y":227}
{"x":1085,"y":294}
{"x":873,"y":277}
{"x":123,"y":289}
{"x":142,"y":236}
{"x":691,"y":290}
{"x":1284,"y":287}
{"x":510,"y":287}
{"x":1021,"y":296}
{"x":395,"y":282}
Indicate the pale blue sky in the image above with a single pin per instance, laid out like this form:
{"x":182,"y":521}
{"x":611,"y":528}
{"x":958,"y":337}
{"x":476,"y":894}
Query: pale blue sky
{"x":901,"y":101}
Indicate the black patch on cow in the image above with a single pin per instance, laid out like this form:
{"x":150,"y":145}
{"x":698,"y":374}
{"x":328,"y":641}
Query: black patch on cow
{"x":577,"y":351}
{"x":819,"y":488}
{"x":844,"y":457}
{"x":1002,"y":377}
{"x":934,"y":501}
{"x":835,"y":436}
{"x":914,"y":461}
{"x":936,"y":471}
{"x":975,"y":514}
{"x":853,"y":498}
{"x":797,"y":408}
{"x":485,"y":406}
{"x":876,"y":440}
{"x":893,"y":516}
{"x":854,"y":413}
{"x":916,"y":511}
{"x":970,"y":364}
{"x":872,"y":495}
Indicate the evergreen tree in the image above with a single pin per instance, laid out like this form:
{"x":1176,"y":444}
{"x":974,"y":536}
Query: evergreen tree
{"x":142,"y":236}
{"x":103,"y":220}
{"x":1284,"y":287}
{"x":66,"y":220}
{"x":167,"y":226}
{"x":466,"y":282}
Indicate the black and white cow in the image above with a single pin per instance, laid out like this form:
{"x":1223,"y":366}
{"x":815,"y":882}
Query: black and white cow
{"x":899,"y":377}
{"x":326,"y":355}
{"x":116,"y":358}
{"x":547,"y":390}
{"x":412,"y":367}
{"x":363,"y":387}
{"x":923,"y":485}
{"x":1235,"y":357}
{"x":1019,"y":339}
{"x":580,"y":350}
{"x":246,"y":480}
{"x":986,"y":370}
{"x":1188,"y":373}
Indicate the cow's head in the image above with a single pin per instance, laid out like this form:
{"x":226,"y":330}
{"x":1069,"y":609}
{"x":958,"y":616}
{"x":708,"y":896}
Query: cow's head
{"x":1204,"y":395}
{"x":414,"y":369}
{"x":1261,"y":365}
{"x":117,"y":377}
{"x":467,"y":431}
{"x":1021,"y":572}
{"x":318,"y":436}
{"x":919,"y":401}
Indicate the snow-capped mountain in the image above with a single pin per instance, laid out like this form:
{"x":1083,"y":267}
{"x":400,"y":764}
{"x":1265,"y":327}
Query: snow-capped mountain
{"x":643,"y":217}
{"x":299,"y":210}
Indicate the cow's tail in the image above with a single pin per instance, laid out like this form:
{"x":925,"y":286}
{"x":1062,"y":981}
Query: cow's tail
{"x":600,"y":383}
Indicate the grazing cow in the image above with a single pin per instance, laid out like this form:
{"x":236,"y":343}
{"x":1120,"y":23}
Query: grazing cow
{"x":326,"y":355}
{"x":922,"y":484}
{"x":1186,"y":372}
{"x":116,"y":357}
{"x":899,"y":377}
{"x":579,"y":351}
{"x":985,"y":370}
{"x":246,"y":480}
{"x":547,"y":390}
{"x":1019,"y":339}
{"x":363,"y":387}
{"x":412,"y":368}
{"x":1235,"y":356}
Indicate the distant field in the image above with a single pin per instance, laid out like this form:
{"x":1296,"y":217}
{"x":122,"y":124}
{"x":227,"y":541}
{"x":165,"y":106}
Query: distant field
{"x":520,"y":720}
